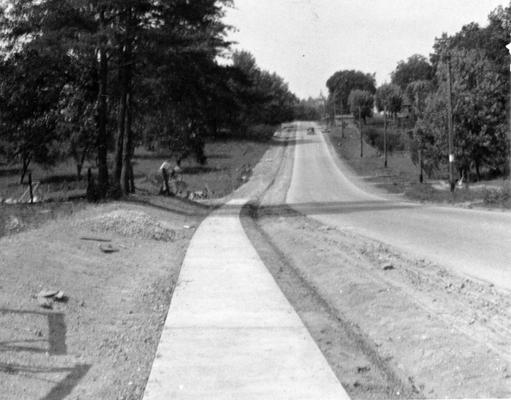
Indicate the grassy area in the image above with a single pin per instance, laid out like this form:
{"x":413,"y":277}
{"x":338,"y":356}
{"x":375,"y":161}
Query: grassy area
{"x":230,"y":163}
{"x":402,"y":176}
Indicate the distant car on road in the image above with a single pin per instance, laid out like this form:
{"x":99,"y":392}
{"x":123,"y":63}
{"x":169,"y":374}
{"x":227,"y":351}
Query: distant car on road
{"x":310,"y":131}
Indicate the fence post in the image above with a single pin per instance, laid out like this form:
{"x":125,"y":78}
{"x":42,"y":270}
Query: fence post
{"x":30,"y":188}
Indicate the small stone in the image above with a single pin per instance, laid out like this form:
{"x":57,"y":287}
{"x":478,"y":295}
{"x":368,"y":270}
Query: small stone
{"x":47,"y":293}
{"x":108,"y":248}
{"x":387,"y":266}
{"x":60,"y":296}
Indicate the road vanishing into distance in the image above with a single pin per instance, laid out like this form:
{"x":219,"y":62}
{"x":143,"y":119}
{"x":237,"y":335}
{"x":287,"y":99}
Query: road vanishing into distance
{"x":476,"y":243}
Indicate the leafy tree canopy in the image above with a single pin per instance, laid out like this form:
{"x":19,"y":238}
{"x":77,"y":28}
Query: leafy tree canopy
{"x":343,"y":82}
{"x":415,"y":68}
{"x":361,"y":103}
{"x":389,"y":98}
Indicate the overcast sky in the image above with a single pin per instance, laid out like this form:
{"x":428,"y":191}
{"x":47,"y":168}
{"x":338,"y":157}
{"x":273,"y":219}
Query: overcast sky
{"x":306,"y":41}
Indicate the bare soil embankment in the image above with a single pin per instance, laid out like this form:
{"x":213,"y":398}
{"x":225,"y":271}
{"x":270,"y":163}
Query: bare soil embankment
{"x":412,"y":329}
{"x":99,"y":342}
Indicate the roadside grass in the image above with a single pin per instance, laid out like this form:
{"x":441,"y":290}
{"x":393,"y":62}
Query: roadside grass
{"x":230,"y":163}
{"x":402,"y":176}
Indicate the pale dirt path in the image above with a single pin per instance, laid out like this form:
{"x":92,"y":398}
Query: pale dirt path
{"x":473,"y":242}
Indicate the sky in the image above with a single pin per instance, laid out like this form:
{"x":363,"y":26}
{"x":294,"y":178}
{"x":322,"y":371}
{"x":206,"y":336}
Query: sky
{"x":306,"y":41}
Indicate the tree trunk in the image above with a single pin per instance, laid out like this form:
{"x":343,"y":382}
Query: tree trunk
{"x":120,"y":137}
{"x":121,"y":112}
{"x":128,"y":103}
{"x":128,"y":144}
{"x":24,"y":169}
{"x":102,"y":139}
{"x":385,"y":137}
{"x":80,"y":164}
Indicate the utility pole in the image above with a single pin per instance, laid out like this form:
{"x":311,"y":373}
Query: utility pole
{"x":342,"y":121}
{"x":419,"y":151}
{"x":335,"y":110}
{"x":450,"y":125}
{"x":509,"y":128}
{"x":385,"y":135}
{"x":360,"y":129}
{"x":421,"y":176}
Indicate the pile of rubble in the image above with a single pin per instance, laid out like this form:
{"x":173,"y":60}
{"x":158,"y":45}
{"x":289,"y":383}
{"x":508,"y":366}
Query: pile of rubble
{"x":133,"y":224}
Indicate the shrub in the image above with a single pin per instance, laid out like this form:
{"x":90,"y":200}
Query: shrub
{"x":260,"y":132}
{"x":497,"y":196}
{"x":374,"y":136}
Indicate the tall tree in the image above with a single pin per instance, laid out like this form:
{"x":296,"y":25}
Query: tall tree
{"x":342,"y":83}
{"x":389,"y":98}
{"x":361,"y":104}
{"x":416,"y":94}
{"x":415,"y":68}
{"x":30,"y":85}
{"x":479,"y":97}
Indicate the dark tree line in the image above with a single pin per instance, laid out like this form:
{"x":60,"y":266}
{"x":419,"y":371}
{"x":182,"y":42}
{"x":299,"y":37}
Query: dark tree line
{"x":91,"y":79}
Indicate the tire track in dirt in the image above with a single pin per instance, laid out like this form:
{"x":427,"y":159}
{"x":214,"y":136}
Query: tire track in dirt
{"x":352,"y":355}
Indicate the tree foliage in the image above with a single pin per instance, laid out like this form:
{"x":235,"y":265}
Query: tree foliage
{"x":262,"y":97}
{"x":415,"y":68}
{"x":309,"y":109}
{"x":30,"y":86}
{"x":389,"y":98}
{"x":479,"y":114}
{"x":416,"y":94}
{"x":361,"y":103}
{"x":479,"y":66}
{"x":109,"y":74}
{"x":342,"y":83}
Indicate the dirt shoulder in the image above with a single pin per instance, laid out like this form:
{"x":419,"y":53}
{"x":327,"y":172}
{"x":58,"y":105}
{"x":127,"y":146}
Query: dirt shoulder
{"x":414,"y":328}
{"x":100,"y":343}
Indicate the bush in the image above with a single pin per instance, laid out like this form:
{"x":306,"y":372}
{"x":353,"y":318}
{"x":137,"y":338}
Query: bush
{"x":260,"y":132}
{"x":374,"y":136}
{"x":497,"y":196}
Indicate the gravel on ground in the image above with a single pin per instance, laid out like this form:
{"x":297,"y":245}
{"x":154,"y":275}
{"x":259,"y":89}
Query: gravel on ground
{"x":99,"y":340}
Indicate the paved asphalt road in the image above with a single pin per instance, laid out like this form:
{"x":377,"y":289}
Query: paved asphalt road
{"x":475,"y":243}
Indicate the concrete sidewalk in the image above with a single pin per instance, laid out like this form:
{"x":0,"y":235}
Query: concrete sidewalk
{"x":230,"y":332}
